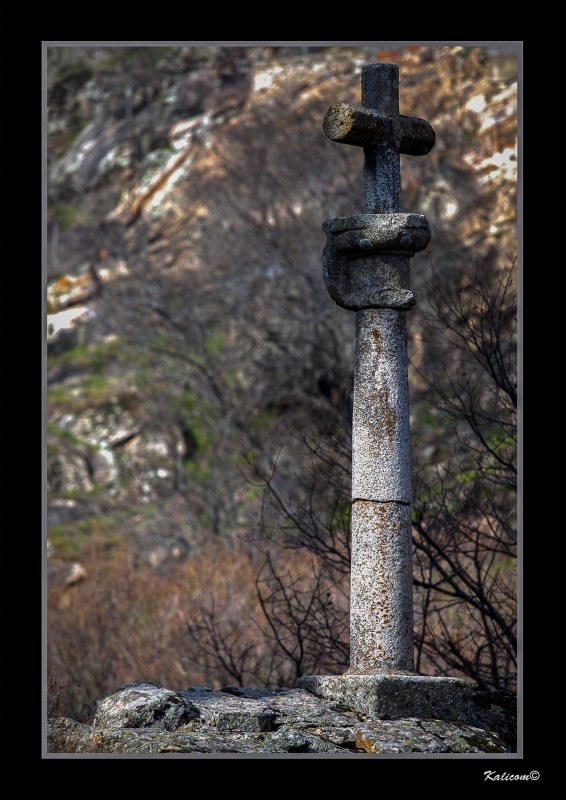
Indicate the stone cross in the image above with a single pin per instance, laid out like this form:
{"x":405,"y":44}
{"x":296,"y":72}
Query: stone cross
{"x":366,"y":268}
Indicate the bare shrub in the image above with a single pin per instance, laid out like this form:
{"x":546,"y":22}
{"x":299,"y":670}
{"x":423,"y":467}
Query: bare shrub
{"x":465,"y":514}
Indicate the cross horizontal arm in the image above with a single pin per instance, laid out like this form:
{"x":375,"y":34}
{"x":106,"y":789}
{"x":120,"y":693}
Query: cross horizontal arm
{"x":365,"y":127}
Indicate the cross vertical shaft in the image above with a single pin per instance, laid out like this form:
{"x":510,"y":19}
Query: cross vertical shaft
{"x":382,"y":163}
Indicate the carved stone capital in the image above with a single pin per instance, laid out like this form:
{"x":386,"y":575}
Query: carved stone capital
{"x":366,"y":261}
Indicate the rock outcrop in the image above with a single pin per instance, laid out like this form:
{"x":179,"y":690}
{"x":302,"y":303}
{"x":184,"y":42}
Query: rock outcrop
{"x":143,"y":717}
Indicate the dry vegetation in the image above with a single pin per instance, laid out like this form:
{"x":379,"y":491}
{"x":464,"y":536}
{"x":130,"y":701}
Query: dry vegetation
{"x":127,"y":622}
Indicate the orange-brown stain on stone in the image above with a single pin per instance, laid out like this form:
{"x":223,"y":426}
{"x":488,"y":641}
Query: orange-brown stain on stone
{"x":363,"y":743}
{"x":399,"y":323}
{"x":386,"y":421}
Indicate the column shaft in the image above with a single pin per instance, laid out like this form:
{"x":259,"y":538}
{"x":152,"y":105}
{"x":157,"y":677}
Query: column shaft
{"x":381,"y":596}
{"x":381,"y":603}
{"x":381,"y":444}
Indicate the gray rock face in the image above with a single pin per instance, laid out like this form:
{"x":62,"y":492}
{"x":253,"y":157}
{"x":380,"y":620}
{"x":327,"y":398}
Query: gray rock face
{"x":142,"y":717}
{"x":496,"y":711}
{"x":139,"y":705}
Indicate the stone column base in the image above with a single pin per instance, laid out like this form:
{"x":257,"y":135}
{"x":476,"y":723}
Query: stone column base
{"x":395,"y":696}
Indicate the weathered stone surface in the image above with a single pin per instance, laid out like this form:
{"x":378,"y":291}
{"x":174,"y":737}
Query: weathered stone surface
{"x":68,"y":736}
{"x":139,"y":705}
{"x":381,"y":600}
{"x":366,"y":260}
{"x":242,"y":720}
{"x":366,"y":268}
{"x":381,"y":445}
{"x":394,"y":696}
{"x":425,"y":736}
{"x":382,"y":174}
{"x":496,"y":711}
{"x":364,"y":127}
{"x":347,"y":124}
{"x":406,"y":233}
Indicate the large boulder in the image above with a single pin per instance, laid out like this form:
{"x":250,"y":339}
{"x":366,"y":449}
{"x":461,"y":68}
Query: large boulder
{"x":143,"y":717}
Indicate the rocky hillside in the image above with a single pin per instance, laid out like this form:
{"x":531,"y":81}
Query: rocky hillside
{"x":188,"y":325}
